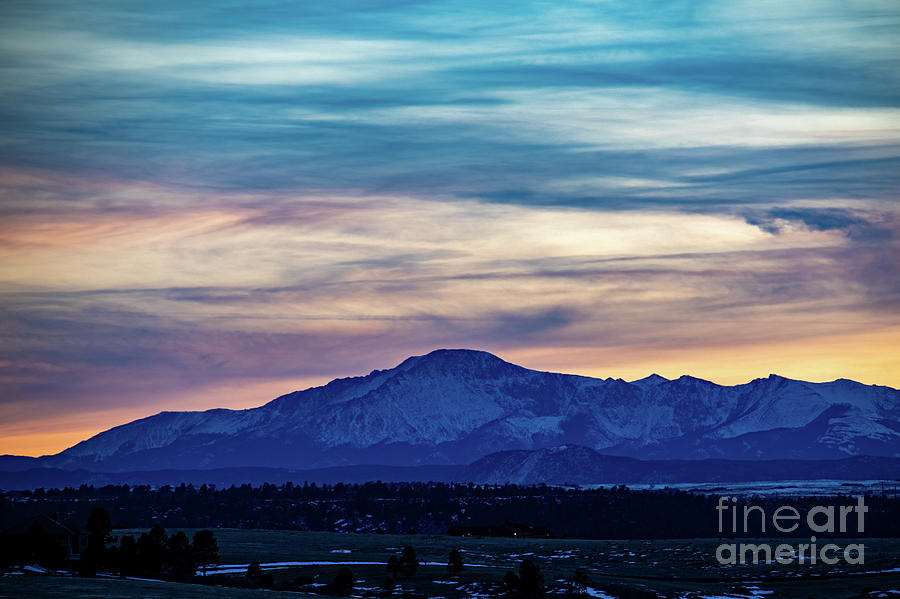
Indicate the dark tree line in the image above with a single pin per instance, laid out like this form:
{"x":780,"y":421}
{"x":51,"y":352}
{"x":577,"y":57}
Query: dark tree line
{"x":433,"y":508}
{"x":154,"y":554}
{"x":406,"y":563}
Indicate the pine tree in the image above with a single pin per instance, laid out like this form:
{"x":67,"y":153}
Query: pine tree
{"x":151,"y":550}
{"x":531,"y":581}
{"x":454,"y":562}
{"x":98,"y":527}
{"x":206,"y":549}
{"x":394,"y":566}
{"x":180,"y":557}
{"x":128,"y":556}
{"x":408,"y":561}
{"x":343,"y":582}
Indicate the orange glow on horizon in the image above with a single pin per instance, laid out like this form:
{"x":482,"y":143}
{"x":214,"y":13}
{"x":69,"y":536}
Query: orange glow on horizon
{"x":25,"y":438}
{"x":867,"y":358}
{"x":40,"y":444}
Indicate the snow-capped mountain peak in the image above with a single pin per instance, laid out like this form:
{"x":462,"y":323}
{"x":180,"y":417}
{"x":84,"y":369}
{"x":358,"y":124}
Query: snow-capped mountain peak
{"x":454,"y":406}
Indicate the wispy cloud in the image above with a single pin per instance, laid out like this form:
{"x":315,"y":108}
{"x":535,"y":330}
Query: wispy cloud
{"x":199,"y":195}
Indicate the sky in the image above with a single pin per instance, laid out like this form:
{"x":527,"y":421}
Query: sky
{"x":212,"y":204}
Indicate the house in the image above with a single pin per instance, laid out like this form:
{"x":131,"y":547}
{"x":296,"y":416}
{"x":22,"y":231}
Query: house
{"x":507,"y":529}
{"x":44,"y":531}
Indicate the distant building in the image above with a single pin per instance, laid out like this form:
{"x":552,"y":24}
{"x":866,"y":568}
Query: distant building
{"x":70,"y":542}
{"x":507,"y":529}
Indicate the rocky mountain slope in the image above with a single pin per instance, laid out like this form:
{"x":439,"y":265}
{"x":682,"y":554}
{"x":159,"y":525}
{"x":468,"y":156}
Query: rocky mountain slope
{"x":456,"y":406}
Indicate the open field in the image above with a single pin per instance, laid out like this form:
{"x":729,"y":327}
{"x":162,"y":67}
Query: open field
{"x":675,"y":568}
{"x":64,"y":587}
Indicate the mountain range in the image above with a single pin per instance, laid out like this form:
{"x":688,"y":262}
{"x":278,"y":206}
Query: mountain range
{"x":455,"y":407}
{"x":567,"y":464}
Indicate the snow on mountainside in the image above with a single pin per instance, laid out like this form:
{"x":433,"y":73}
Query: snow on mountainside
{"x":455,"y":406}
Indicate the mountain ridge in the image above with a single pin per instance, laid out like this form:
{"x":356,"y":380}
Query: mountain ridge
{"x":583,"y":466}
{"x":567,"y":464}
{"x":456,"y":406}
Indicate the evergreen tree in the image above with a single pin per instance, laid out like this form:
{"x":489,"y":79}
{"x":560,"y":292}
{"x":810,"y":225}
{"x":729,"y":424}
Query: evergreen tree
{"x":454,"y":562}
{"x":343,"y":582}
{"x":578,"y":583}
{"x":394,"y":566}
{"x":408,"y":561}
{"x":531,"y":581}
{"x":511,"y":582}
{"x":206,"y":549}
{"x":128,"y":556}
{"x":266,"y":580}
{"x":98,"y":527}
{"x":151,"y":550}
{"x":180,"y":557}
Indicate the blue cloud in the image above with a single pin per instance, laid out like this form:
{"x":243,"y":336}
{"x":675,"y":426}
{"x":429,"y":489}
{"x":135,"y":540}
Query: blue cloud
{"x":694,"y":107}
{"x":159,"y":118}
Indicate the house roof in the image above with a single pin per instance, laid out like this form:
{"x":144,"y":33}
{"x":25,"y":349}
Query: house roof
{"x":49,"y":525}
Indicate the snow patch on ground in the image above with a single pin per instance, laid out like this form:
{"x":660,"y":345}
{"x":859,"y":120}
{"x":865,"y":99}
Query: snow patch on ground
{"x":35,"y":568}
